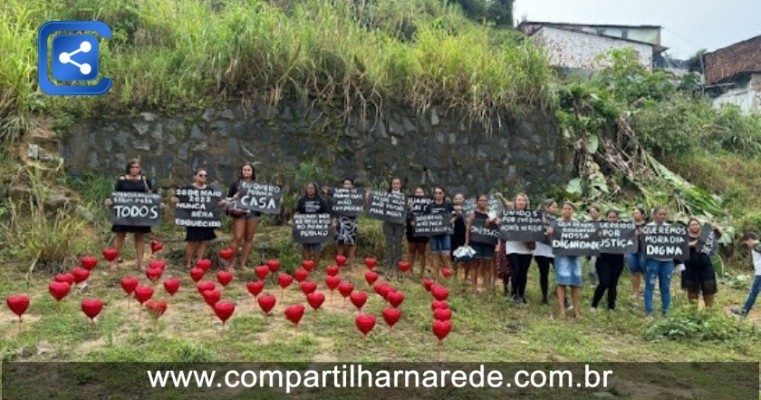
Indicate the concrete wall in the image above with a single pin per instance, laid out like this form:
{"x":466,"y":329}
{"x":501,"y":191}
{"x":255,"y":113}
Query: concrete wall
{"x":579,"y":50}
{"x":434,"y":148}
{"x":746,"y":94}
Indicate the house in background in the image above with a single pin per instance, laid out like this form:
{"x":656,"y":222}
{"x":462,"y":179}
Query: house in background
{"x":576,"y":47}
{"x":732,"y":75}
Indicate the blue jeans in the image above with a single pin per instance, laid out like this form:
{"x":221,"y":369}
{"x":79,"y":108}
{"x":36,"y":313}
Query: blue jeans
{"x":661,"y":271}
{"x":441,"y":244}
{"x":636,"y":262}
{"x":754,"y":289}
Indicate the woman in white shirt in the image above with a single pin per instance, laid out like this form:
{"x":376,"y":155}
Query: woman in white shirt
{"x":543,"y":252}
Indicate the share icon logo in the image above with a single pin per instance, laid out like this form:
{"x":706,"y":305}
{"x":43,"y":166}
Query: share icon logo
{"x":73,"y":58}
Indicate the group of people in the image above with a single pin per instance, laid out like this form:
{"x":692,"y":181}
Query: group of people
{"x":508,"y":260}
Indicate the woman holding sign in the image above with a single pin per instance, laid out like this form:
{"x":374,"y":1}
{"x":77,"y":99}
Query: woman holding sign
{"x":543,"y":252}
{"x":311,"y":203}
{"x":482,"y":260}
{"x":416,"y":245}
{"x":244,"y":222}
{"x":658,"y":269}
{"x":520,"y":254}
{"x":609,"y":267}
{"x":347,"y":231}
{"x":196,"y":237}
{"x":636,"y":261}
{"x":567,"y":268}
{"x":441,"y":245}
{"x":699,"y":276}
{"x":132,"y":181}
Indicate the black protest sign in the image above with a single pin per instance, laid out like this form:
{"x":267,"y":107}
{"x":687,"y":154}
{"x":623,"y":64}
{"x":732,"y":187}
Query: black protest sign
{"x":549,"y":220}
{"x":348,"y":202}
{"x":665,"y":241}
{"x":522,"y":226}
{"x":198,"y":207}
{"x":259,"y":197}
{"x":312,"y":228}
{"x":468,"y":206}
{"x":495,"y":204}
{"x":418,"y":204}
{"x":433,"y":224}
{"x":575,"y":238}
{"x":388,"y":207}
{"x":480,"y":232}
{"x":617,"y":237}
{"x":708,"y":242}
{"x":135,"y":209}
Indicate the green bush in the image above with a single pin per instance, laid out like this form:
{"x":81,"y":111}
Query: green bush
{"x":686,"y":323}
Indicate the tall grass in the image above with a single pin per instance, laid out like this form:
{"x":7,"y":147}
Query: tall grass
{"x":182,"y":54}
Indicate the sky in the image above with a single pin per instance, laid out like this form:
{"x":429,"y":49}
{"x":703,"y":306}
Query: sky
{"x":688,"y":25}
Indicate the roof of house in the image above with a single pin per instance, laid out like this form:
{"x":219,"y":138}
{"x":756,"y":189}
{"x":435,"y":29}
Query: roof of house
{"x":589,"y":25}
{"x":729,"y":62}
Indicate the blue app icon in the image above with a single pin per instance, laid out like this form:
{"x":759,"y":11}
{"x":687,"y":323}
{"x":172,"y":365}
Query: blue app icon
{"x":72,"y":58}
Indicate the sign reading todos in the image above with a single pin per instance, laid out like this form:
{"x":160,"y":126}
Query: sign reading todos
{"x":135,"y":209}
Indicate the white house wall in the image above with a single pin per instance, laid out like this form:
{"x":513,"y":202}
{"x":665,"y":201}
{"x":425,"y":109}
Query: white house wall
{"x":747,"y":95}
{"x":577,"y":50}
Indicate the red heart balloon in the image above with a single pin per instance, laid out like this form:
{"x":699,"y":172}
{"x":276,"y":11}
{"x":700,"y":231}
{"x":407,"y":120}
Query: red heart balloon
{"x":340,"y":260}
{"x":255,"y":287}
{"x":68,"y":278}
{"x":441,"y":329}
{"x":345,"y":288}
{"x":80,"y":274}
{"x":156,"y":308}
{"x":315,"y":300}
{"x":143,"y":293}
{"x":370,"y":262}
{"x":365,"y":323}
{"x":358,"y":299}
{"x":224,"y":310}
{"x":308,"y":265}
{"x":18,"y":304}
{"x":92,"y":307}
{"x":211,"y":297}
{"x":395,"y":298}
{"x":226,"y":254}
{"x":333,"y":270}
{"x":308,"y":287}
{"x":262,"y":271}
{"x":371,"y":277}
{"x":440,"y":293}
{"x":224,"y":278}
{"x":58,"y":290}
{"x":300,"y":274}
{"x":153,"y":274}
{"x":404,"y":266}
{"x":171,"y":286}
{"x":129,"y":284}
{"x":392,"y":315}
{"x":436,"y":304}
{"x":196,"y":274}
{"x":110,"y":254}
{"x":204,"y":264}
{"x":294,"y":313}
{"x":442,"y":314}
{"x":158,"y":264}
{"x":204,"y":286}
{"x":88,"y":262}
{"x":427,"y":283}
{"x":332,"y":282}
{"x":380,"y":288}
{"x":156,"y":246}
{"x":446,"y":271}
{"x":266,"y":302}
{"x":385,"y":290}
{"x":284,"y":280}
{"x":273,"y":265}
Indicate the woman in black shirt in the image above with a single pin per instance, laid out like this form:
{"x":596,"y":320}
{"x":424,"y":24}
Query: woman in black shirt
{"x":244,"y":221}
{"x":699,"y":275}
{"x":441,"y":245}
{"x":484,"y":251}
{"x":609,"y":267}
{"x":196,"y":237}
{"x":458,"y":235}
{"x":132,"y":181}
{"x":311,"y":203}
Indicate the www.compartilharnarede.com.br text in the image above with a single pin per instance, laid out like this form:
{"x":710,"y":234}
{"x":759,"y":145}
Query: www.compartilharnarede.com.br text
{"x":358,"y":376}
